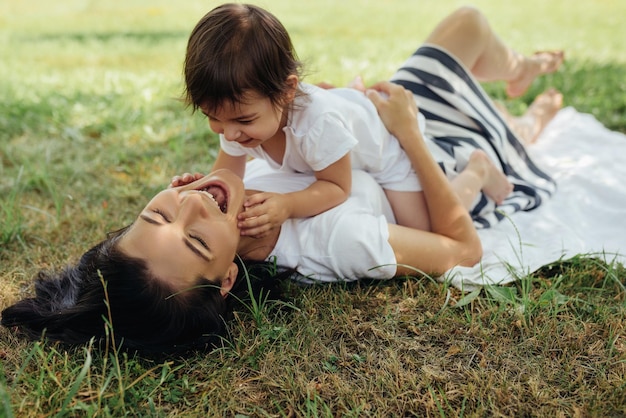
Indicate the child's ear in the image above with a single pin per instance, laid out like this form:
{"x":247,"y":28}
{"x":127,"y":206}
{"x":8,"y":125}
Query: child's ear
{"x":292,"y":88}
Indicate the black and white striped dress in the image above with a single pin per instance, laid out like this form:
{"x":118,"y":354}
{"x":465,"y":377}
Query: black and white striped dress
{"x":460,"y":118}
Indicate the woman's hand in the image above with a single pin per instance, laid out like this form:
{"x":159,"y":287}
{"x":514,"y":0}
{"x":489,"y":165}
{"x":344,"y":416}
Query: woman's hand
{"x":185,"y":179}
{"x":263,"y":212}
{"x":398,"y":110}
{"x":453,"y":240}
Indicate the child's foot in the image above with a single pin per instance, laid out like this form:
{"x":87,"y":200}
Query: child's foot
{"x":495,"y":184}
{"x":542,"y":62}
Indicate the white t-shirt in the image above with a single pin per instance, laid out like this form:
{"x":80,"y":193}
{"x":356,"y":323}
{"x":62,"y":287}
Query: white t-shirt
{"x":325,"y":125}
{"x":345,"y":243}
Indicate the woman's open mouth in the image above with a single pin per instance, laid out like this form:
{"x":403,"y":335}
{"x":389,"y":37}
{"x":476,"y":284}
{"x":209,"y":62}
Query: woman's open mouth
{"x":218,"y":194}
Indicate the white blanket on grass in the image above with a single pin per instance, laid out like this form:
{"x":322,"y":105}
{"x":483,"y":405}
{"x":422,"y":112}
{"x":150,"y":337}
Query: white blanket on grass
{"x":586,"y":215}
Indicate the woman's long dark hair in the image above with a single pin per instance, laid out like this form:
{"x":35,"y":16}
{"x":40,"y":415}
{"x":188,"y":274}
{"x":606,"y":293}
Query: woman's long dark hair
{"x":109,"y":294}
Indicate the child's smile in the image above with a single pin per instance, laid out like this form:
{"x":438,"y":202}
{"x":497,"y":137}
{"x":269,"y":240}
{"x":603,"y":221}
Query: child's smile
{"x":250,"y":123}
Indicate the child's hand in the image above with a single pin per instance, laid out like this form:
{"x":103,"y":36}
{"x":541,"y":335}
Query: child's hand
{"x":185,"y":179}
{"x":263,"y":212}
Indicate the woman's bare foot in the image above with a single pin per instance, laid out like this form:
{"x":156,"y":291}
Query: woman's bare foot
{"x":542,"y":62}
{"x":494,"y":183}
{"x":541,"y":111}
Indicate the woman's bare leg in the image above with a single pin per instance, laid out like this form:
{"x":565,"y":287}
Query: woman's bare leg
{"x":466,"y":34}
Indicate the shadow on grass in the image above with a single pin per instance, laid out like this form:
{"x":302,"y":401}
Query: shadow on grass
{"x":598,"y":89}
{"x":105,"y":37}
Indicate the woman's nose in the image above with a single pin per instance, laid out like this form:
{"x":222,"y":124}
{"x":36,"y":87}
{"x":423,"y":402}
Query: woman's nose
{"x":192,"y":205}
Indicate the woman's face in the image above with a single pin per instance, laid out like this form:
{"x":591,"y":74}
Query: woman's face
{"x":190,"y":231}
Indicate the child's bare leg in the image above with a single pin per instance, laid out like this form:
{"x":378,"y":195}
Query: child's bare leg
{"x":466,"y":34}
{"x":542,"y":110}
{"x":481,"y":174}
{"x":410,"y":209}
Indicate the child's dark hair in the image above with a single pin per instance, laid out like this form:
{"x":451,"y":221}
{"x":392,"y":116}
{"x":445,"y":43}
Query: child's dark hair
{"x":235,"y":49}
{"x":71,"y":306}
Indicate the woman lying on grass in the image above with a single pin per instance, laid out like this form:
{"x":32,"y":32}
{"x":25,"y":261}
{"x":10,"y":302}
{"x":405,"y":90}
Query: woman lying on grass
{"x":169,"y":280}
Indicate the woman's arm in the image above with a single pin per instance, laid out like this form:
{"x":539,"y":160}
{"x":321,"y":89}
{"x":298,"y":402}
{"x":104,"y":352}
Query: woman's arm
{"x":453,"y":240}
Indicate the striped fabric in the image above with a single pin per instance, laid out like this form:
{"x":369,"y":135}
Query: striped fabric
{"x":460,"y":117}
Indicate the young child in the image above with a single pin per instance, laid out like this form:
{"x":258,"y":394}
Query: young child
{"x":242,"y":72}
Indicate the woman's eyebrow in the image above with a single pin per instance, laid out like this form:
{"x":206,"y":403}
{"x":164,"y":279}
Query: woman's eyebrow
{"x":149,"y":220}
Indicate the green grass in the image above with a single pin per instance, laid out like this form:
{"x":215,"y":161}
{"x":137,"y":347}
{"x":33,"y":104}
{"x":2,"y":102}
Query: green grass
{"x":91,"y":126}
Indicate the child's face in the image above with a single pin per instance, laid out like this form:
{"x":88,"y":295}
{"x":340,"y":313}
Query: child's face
{"x":250,"y":123}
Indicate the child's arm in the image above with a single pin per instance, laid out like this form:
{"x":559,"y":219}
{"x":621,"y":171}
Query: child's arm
{"x":234,"y":163}
{"x":264,"y":211}
{"x":237,"y":164}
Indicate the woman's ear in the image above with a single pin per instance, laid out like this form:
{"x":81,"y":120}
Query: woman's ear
{"x":228,"y":281}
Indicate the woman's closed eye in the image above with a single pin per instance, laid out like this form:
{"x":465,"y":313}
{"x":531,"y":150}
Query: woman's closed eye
{"x":200,"y":240}
{"x":193,"y":237}
{"x":162,"y":215}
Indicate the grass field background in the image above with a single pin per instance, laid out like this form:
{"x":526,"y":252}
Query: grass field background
{"x":91,"y":125}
